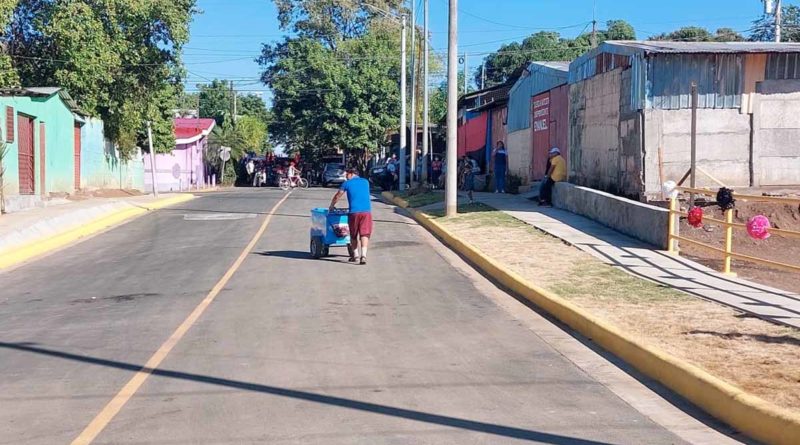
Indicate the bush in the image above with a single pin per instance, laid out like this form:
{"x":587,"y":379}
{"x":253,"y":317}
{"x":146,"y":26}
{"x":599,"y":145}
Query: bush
{"x":513,"y":182}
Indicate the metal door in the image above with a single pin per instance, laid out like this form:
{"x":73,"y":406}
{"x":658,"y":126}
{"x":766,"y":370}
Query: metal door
{"x":541,"y":134}
{"x":77,"y":158}
{"x":27,"y":172}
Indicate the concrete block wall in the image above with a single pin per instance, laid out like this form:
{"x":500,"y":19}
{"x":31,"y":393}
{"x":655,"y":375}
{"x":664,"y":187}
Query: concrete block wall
{"x":723,"y":147}
{"x":595,"y":131}
{"x":101,"y":166}
{"x":638,"y":220}
{"x":776,"y":132}
{"x":520,"y":150}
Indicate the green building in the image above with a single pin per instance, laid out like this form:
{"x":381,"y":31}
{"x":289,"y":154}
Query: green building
{"x":42,"y":133}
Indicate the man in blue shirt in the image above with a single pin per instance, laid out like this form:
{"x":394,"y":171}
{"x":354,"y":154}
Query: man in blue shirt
{"x":359,"y":217}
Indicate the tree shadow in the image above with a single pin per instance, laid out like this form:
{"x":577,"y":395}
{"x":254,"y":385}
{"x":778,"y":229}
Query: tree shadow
{"x":775,"y":339}
{"x":341,"y":402}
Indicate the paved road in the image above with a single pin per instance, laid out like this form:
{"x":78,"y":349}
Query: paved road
{"x":404,"y":350}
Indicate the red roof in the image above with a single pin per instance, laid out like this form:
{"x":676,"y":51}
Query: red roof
{"x":191,"y":130}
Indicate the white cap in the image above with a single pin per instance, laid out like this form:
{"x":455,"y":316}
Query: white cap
{"x":555,"y":151}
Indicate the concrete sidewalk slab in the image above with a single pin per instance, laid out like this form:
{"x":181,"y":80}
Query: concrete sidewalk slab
{"x":643,"y":260}
{"x":23,"y":235}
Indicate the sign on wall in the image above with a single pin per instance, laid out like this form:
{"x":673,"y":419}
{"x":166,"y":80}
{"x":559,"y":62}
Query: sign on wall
{"x":541,"y":113}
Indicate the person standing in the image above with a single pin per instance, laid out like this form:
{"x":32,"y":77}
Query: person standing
{"x":251,"y":169}
{"x":436,"y":170}
{"x":359,"y":216}
{"x":500,"y":167}
{"x":556,"y":173}
{"x":469,"y":182}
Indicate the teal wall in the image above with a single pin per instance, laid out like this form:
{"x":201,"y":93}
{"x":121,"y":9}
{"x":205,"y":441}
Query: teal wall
{"x":59,"y":157}
{"x":101,"y":167}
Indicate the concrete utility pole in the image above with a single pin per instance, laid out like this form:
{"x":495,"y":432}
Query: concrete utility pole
{"x":778,"y":14}
{"x":233,"y":96}
{"x":152,"y":159}
{"x":413,"y":144}
{"x":425,"y":101}
{"x":451,"y":195}
{"x":465,"y":73}
{"x":403,"y":105}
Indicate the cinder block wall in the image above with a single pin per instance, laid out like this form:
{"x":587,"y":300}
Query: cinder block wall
{"x":520,"y":150}
{"x":776,"y":133}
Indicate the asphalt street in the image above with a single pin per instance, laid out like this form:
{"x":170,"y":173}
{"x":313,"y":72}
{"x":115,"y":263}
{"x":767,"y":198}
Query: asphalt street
{"x":406,"y":349}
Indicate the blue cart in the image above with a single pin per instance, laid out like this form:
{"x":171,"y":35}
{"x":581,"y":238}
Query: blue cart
{"x":328,"y":228}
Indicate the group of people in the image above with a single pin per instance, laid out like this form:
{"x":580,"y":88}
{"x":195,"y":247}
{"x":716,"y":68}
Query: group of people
{"x":556,"y":171}
{"x":262,"y":172}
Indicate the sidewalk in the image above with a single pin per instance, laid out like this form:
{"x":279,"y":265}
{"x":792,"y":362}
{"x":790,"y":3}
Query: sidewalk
{"x":20,"y":228}
{"x":644,"y":261}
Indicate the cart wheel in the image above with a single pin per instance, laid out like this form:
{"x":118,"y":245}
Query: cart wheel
{"x":326,"y":250}
{"x":316,"y":248}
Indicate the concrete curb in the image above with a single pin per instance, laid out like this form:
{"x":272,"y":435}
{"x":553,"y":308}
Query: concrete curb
{"x":47,"y":244}
{"x":753,"y":416}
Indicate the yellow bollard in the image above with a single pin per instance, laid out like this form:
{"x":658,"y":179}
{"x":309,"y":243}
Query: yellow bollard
{"x":671,"y":242}
{"x":728,"y":242}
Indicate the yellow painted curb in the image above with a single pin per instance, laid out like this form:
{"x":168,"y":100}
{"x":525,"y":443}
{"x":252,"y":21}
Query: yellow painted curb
{"x":42,"y":246}
{"x":749,"y":414}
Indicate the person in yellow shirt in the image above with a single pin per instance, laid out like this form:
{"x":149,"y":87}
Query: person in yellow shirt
{"x":556,"y":173}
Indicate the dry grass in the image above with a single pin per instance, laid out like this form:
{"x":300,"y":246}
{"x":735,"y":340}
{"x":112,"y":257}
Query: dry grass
{"x":757,"y":356}
{"x":421,"y":198}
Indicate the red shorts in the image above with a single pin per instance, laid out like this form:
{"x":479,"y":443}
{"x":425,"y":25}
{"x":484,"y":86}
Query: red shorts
{"x":360,"y":224}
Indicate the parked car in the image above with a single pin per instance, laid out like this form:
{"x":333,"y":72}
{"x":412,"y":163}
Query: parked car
{"x":333,"y":173}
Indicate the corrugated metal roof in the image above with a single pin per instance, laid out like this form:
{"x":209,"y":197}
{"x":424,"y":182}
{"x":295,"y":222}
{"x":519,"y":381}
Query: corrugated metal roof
{"x":657,"y":46}
{"x":45,"y":92}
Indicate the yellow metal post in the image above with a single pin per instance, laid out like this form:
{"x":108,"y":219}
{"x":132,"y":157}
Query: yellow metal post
{"x":728,"y":241}
{"x":672,"y":246}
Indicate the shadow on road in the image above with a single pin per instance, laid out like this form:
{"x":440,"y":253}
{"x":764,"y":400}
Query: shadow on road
{"x":299,"y":255}
{"x":419,"y":416}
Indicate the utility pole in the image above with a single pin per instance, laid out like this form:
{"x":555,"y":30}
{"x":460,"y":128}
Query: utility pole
{"x":425,"y":101}
{"x":483,"y":75}
{"x":778,"y":14}
{"x":593,"y":39}
{"x":233,"y":97}
{"x":403,"y":128}
{"x":152,"y":159}
{"x":413,"y":88}
{"x":451,"y":195}
{"x":465,"y":73}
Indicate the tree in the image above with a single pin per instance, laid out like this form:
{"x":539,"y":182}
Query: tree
{"x":438,"y":99}
{"x":253,"y":105}
{"x":545,"y":46}
{"x":216,"y":100}
{"x":698,"y":34}
{"x":119,"y":59}
{"x":330,"y":21}
{"x":252,"y":134}
{"x":764,"y":28}
{"x":8,"y":75}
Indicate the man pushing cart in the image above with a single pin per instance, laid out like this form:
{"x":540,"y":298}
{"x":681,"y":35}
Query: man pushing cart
{"x":359,"y":217}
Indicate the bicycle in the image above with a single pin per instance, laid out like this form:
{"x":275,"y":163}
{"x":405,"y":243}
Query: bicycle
{"x":286,"y":183}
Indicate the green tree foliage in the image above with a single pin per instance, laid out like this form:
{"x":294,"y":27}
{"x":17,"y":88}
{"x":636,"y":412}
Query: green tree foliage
{"x":252,"y":134}
{"x":698,"y":34}
{"x":216,"y":100}
{"x":253,"y":105}
{"x":545,"y":46}
{"x":335,"y":84}
{"x":119,"y":58}
{"x":330,"y":21}
{"x":8,"y":76}
{"x":438,"y":99}
{"x":764,"y":28}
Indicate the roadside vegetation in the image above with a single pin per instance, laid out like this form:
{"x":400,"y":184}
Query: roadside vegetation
{"x":757,"y":356}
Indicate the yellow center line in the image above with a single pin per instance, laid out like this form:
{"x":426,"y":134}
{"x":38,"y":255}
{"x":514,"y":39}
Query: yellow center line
{"x":104,"y":417}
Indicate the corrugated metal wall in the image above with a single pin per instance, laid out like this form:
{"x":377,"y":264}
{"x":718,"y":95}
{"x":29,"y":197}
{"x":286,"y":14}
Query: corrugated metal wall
{"x":719,"y":79}
{"x":541,"y":78}
{"x":783,"y":66}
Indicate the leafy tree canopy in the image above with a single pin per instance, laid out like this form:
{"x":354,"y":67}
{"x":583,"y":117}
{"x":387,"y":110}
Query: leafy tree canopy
{"x":698,"y":34}
{"x":764,"y":28}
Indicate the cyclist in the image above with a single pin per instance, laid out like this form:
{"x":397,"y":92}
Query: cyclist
{"x":293,"y":174}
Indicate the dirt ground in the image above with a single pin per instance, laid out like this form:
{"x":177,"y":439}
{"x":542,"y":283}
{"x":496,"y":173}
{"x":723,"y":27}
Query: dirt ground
{"x":776,"y":247}
{"x":755,"y":355}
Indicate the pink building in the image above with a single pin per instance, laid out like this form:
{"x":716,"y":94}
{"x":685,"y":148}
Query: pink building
{"x":183,"y":168}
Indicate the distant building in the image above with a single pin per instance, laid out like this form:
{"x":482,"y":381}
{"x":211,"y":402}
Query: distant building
{"x":630,"y":114}
{"x":184,"y":167}
{"x":537,"y":118}
{"x":482,"y":122}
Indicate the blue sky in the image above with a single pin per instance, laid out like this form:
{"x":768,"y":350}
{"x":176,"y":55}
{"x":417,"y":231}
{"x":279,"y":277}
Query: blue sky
{"x":227,"y":36}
